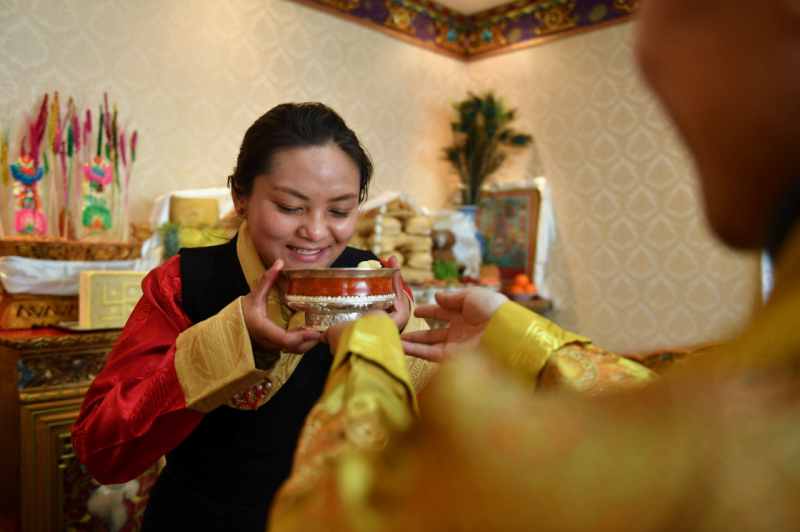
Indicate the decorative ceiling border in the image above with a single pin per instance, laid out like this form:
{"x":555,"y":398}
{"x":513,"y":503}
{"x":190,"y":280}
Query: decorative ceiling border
{"x":508,"y":27}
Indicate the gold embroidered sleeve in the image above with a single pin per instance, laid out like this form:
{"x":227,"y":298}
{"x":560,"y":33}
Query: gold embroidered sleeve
{"x":214,"y":359}
{"x":374,"y":338}
{"x":547,"y":355}
{"x":523,"y":340}
{"x":367,"y":398}
{"x":591,"y":370}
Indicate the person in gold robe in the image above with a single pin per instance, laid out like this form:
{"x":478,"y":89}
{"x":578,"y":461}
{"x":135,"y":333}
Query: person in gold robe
{"x":713,"y":445}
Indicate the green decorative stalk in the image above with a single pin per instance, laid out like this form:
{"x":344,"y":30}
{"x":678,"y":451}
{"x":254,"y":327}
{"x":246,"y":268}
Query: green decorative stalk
{"x":479,"y":137}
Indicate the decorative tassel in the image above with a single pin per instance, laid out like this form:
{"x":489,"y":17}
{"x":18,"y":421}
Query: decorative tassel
{"x":87,"y":130}
{"x":100,"y":134}
{"x":134,"y":140}
{"x":4,"y":169}
{"x":114,"y":146}
{"x":107,"y":117}
{"x":122,"y":150}
{"x":54,"y":124}
{"x":36,"y":131}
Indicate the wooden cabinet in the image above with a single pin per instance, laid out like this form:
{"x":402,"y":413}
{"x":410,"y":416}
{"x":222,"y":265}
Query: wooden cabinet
{"x":43,"y":377}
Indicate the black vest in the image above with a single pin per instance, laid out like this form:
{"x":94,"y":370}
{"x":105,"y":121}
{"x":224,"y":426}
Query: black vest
{"x":225,"y":474}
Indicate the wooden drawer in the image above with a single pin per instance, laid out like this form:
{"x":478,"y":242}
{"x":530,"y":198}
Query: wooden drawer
{"x":44,"y":375}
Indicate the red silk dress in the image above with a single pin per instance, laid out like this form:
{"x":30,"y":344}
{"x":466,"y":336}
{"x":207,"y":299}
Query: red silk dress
{"x":135,"y":411}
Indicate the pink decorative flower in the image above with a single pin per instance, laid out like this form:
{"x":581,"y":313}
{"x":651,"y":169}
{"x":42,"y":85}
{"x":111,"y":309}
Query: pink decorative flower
{"x":100,"y":171}
{"x":30,"y":222}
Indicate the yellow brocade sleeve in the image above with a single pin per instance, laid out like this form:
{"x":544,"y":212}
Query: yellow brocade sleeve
{"x":214,"y":359}
{"x":374,"y":338}
{"x":367,"y":398}
{"x":523,"y":340}
{"x":546,"y":355}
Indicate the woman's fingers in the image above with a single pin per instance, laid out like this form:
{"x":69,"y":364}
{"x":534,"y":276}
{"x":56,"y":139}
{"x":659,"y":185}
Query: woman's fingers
{"x":430,"y":337}
{"x":435,"y":312}
{"x":402,"y":305}
{"x":434,"y":353}
{"x":452,"y":301}
{"x":299,"y":341}
{"x":272,"y":336}
{"x":266,"y":282}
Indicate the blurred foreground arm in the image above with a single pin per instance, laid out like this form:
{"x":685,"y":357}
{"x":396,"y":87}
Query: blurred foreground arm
{"x":532,"y":346}
{"x":691,"y":452}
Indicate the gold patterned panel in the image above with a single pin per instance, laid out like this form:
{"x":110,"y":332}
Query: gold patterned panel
{"x":44,"y":456}
{"x":65,"y":342}
{"x":57,"y":493}
{"x":342,"y":4}
{"x":23,"y":311}
{"x":107,"y":298}
{"x":400,"y":17}
{"x":628,"y":6}
{"x":39,"y":372}
{"x":557,"y":19}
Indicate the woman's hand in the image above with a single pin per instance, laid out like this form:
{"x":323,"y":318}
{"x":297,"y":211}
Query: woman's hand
{"x":334,"y":333}
{"x":263,"y":331}
{"x":401,"y":311}
{"x":467,"y":313}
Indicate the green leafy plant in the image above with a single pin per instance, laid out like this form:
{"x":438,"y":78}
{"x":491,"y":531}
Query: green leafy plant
{"x":445,"y":270}
{"x":480,"y":134}
{"x":172,"y":243}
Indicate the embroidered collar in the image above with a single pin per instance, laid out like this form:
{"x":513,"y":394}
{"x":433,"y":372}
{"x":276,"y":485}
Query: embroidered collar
{"x":253,"y":269}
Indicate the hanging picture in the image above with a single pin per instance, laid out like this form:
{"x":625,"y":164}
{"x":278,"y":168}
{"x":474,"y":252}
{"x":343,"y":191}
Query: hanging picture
{"x":508,"y":222}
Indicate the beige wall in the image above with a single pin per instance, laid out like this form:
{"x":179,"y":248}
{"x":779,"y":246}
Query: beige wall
{"x":635,"y":267}
{"x":192,"y":75}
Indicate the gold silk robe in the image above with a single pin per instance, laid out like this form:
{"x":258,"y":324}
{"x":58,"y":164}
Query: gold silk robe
{"x":714,"y":445}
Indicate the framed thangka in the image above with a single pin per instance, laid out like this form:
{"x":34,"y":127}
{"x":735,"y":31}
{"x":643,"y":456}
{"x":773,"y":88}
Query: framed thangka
{"x":508,"y":221}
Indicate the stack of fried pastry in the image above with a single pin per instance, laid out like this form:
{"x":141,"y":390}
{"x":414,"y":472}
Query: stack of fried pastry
{"x":401,"y":232}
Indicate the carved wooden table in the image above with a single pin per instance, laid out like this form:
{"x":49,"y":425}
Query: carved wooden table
{"x":44,"y":374}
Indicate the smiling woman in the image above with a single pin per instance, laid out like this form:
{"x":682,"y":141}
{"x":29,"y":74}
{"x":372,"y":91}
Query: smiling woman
{"x":299,"y":178}
{"x":209,"y":369}
{"x":304,"y":210}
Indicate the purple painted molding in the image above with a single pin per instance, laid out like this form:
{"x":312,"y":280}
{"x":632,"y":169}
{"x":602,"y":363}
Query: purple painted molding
{"x":508,"y":27}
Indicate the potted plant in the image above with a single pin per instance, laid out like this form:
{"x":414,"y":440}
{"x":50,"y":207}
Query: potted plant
{"x":480,"y":135}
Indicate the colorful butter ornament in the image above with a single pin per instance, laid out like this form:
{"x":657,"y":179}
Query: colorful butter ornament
{"x":107,"y":298}
{"x":97,"y":196}
{"x":29,"y":218}
{"x":64,"y":184}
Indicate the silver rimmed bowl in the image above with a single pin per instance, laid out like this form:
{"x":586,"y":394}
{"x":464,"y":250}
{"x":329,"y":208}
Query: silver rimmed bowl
{"x":332,"y":295}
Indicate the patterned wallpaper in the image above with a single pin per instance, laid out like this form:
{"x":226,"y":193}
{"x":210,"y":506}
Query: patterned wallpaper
{"x":634,"y":268}
{"x":192,"y":75}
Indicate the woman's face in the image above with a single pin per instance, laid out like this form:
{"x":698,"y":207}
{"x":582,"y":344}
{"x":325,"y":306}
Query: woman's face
{"x":304,"y":210}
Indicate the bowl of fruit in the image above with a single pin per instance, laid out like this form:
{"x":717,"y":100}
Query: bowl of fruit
{"x":332,"y":295}
{"x":521,"y":288}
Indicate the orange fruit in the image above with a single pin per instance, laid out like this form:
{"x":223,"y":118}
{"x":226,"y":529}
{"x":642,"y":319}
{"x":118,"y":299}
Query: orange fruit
{"x":521,"y":280}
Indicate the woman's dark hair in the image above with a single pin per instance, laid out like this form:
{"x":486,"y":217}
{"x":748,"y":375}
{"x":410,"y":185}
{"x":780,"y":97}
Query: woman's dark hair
{"x":293,"y":125}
